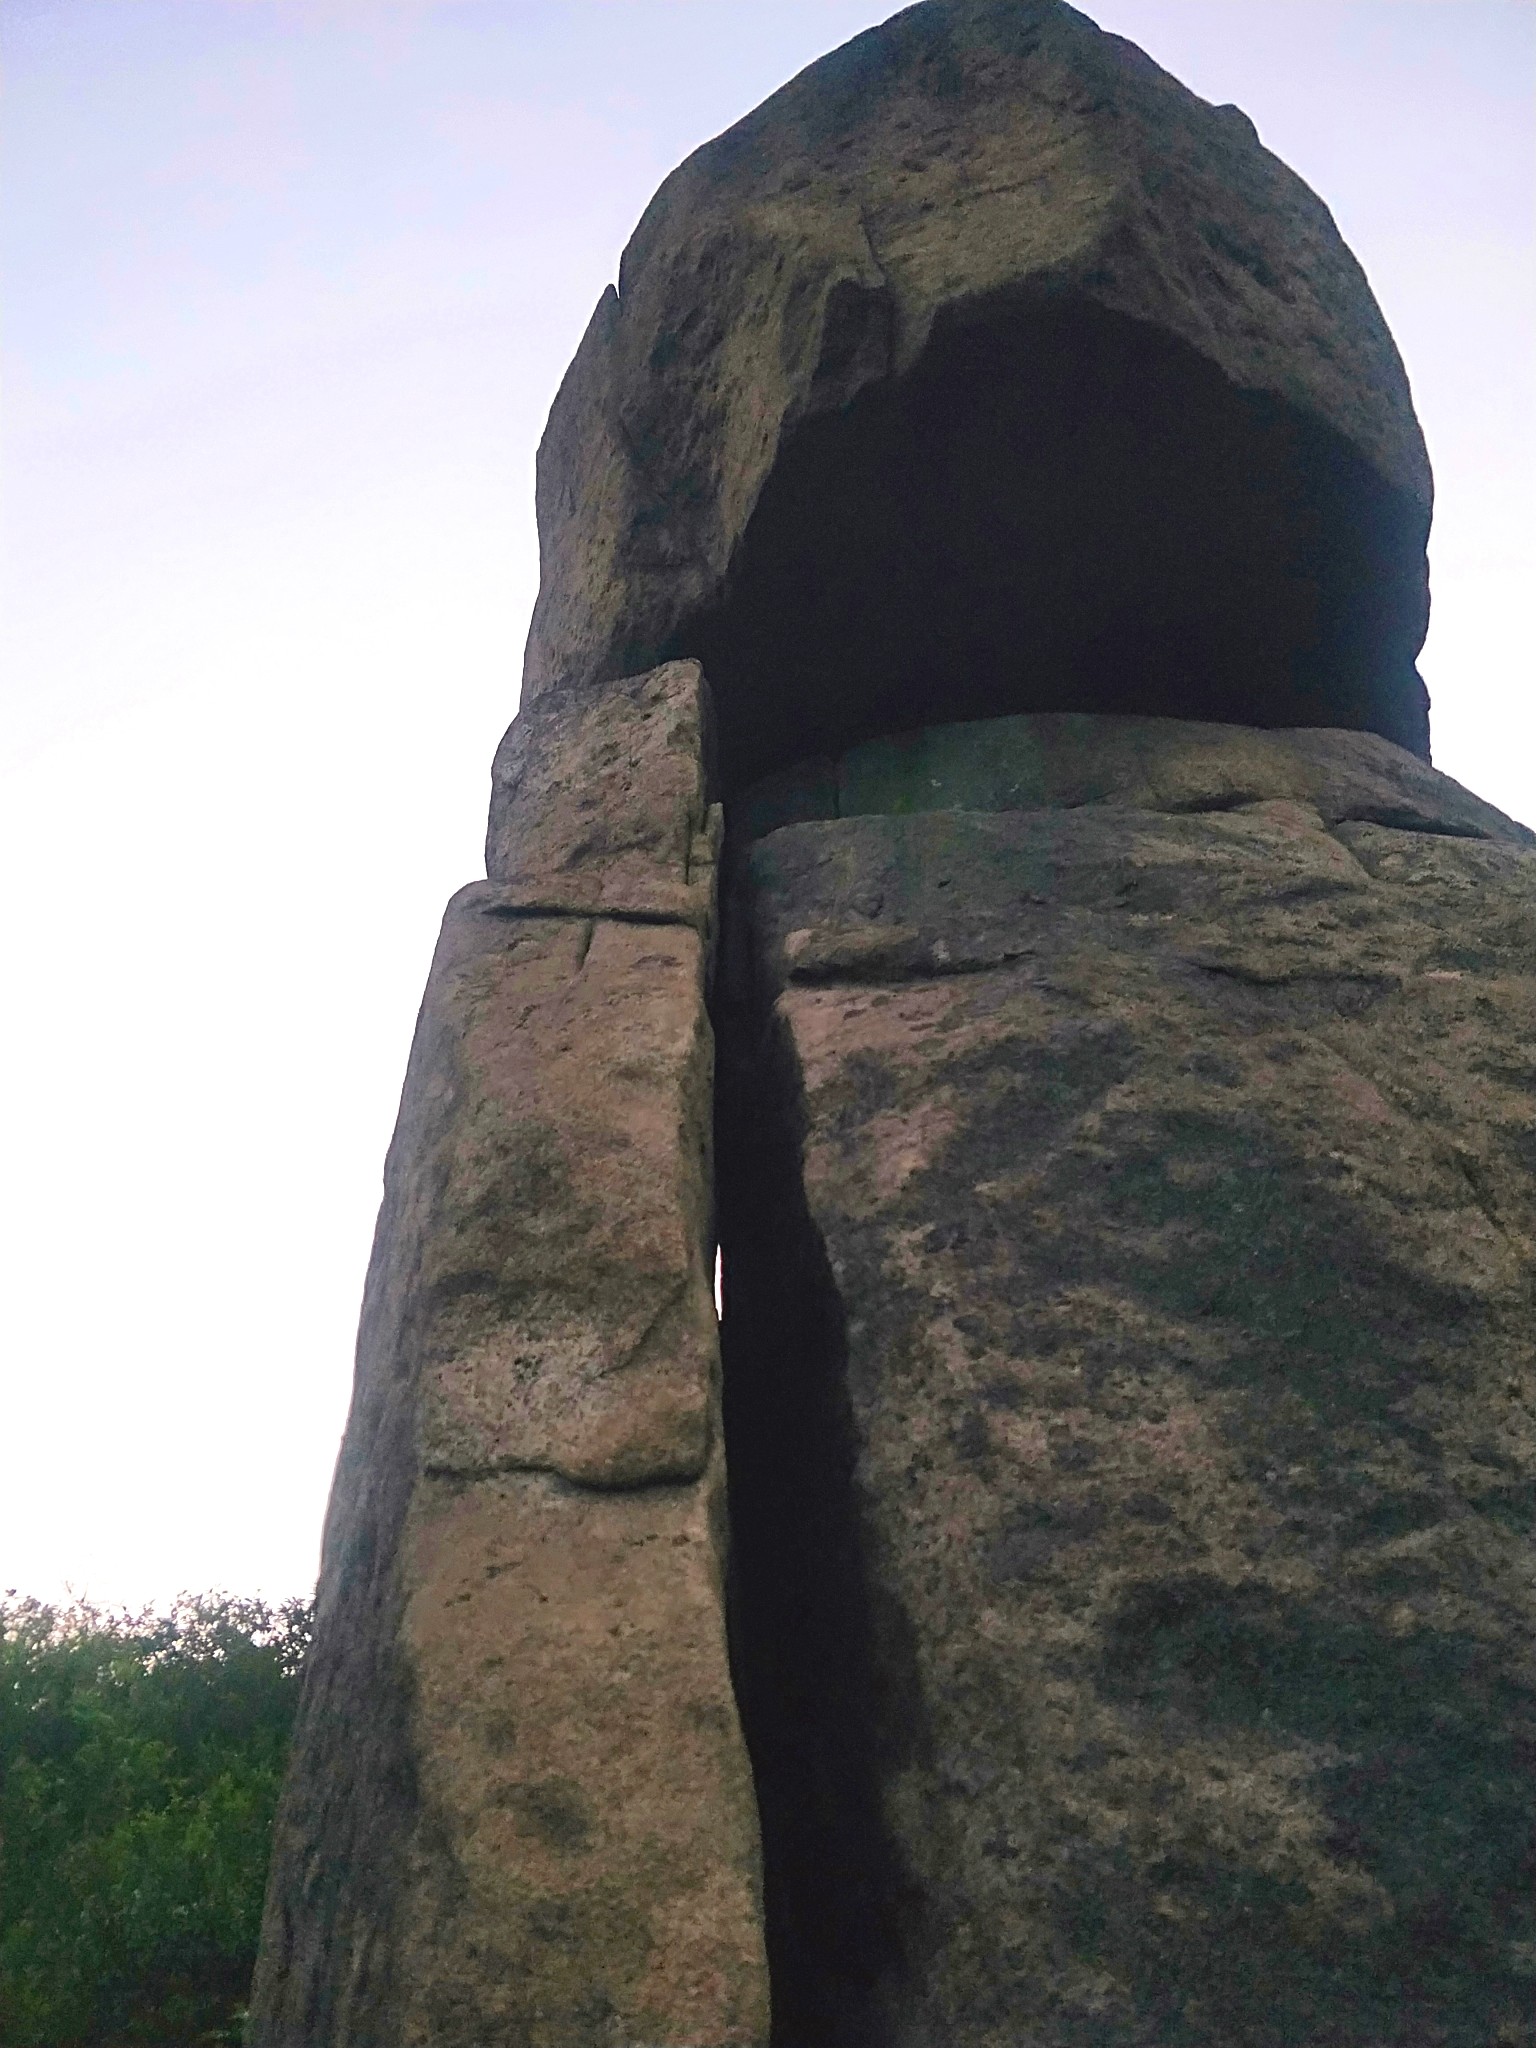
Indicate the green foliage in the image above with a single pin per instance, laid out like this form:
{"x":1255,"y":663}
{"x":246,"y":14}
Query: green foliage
{"x":140,"y":1759}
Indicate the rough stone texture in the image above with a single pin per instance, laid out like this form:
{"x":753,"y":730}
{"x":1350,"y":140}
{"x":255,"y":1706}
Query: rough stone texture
{"x":976,"y":169}
{"x":1127,"y":1136}
{"x":519,"y":1808}
{"x":601,"y":805}
{"x":1128,"y":1215}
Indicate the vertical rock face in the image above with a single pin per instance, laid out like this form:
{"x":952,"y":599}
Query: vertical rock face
{"x":1124,"y":1137}
{"x":1128,"y":1222}
{"x":520,"y":1809}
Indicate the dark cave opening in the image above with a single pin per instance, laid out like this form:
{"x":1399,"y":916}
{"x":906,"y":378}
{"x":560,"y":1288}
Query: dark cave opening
{"x":1064,"y":509}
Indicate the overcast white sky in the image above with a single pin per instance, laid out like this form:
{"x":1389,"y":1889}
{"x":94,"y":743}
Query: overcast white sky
{"x":288,"y":285}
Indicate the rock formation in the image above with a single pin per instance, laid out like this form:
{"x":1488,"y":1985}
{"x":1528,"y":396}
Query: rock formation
{"x":985,"y":369}
{"x":1085,"y":1606}
{"x":1127,"y":1502}
{"x":519,"y":1807}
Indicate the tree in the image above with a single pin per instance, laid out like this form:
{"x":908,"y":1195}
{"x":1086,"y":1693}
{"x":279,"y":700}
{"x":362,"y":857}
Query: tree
{"x":140,"y":1760}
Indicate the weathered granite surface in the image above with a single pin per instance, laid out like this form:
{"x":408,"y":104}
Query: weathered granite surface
{"x":1125,"y":1134}
{"x":601,"y":804}
{"x":858,"y":287}
{"x":520,"y":1809}
{"x":1129,"y":1215}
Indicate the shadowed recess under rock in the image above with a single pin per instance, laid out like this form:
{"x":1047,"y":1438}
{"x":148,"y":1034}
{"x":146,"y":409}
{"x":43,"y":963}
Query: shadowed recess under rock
{"x":1064,"y":509}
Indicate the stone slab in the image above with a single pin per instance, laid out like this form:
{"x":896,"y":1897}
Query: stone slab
{"x":565,"y":1310}
{"x":1134,"y":1424}
{"x":602,"y":805}
{"x":519,"y":1806}
{"x":589,"y":1870}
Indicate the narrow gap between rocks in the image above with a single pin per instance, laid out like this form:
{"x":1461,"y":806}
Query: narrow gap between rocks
{"x":805,"y":1650}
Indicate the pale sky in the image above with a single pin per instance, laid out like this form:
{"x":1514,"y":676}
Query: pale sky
{"x":287,"y":288}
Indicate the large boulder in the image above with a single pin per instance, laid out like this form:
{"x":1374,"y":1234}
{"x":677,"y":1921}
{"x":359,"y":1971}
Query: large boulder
{"x":1126,"y":1143}
{"x":519,"y":1807}
{"x":986,"y":369}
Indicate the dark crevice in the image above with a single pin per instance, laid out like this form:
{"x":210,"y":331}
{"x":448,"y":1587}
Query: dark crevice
{"x":1211,"y":806}
{"x":811,"y":1661}
{"x":1063,"y":509}
{"x":595,"y":915}
{"x":1413,"y":821}
{"x":533,"y":1468}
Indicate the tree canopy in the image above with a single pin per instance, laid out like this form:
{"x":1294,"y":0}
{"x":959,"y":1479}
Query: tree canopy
{"x":140,"y":1761}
